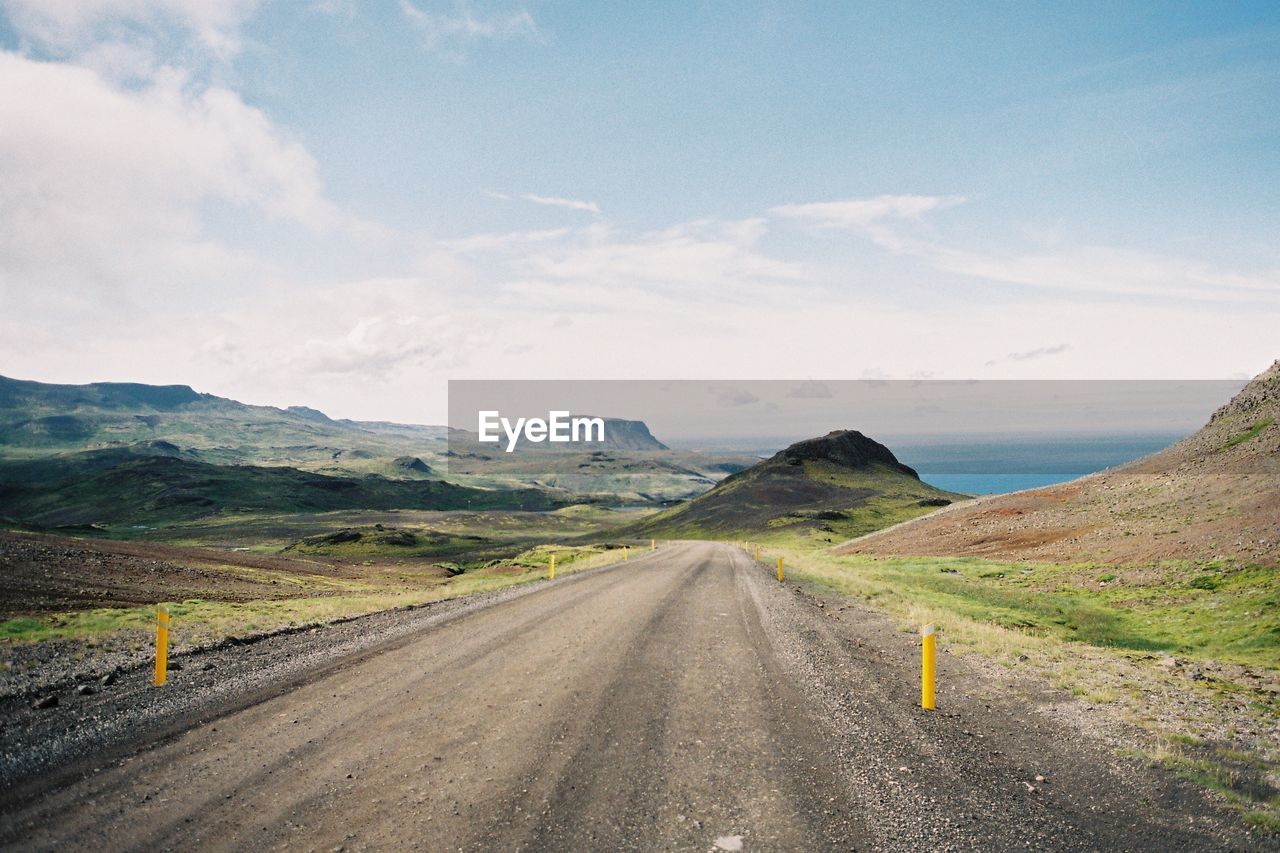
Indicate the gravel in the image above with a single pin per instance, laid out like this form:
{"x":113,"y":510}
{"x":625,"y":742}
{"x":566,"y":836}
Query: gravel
{"x":50,"y":724}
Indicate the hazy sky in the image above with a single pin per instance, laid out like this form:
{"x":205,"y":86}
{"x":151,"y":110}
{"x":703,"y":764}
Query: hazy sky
{"x":695,"y":412}
{"x":344,"y":204}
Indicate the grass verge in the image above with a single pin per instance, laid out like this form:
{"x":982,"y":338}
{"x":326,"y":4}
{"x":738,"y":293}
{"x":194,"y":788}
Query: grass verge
{"x":1190,"y":651}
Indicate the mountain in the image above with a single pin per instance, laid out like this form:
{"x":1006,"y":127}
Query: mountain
{"x":149,"y":485}
{"x":841,"y":484}
{"x":622,"y":434}
{"x":19,"y":394}
{"x":40,"y":419}
{"x":629,"y":464}
{"x":1214,"y":495}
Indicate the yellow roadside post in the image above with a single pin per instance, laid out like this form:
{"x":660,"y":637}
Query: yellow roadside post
{"x":552,"y":575}
{"x":626,"y":553}
{"x":928,"y":655}
{"x":653,"y":544}
{"x":779,"y":569}
{"x":757,"y":553}
{"x":162,"y":644}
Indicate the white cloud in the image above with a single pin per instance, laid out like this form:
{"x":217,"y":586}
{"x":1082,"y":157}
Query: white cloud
{"x":373,"y":345}
{"x":1031,"y":354}
{"x":699,"y":258}
{"x":103,"y":186}
{"x":311,"y":336}
{"x":448,"y":33}
{"x":571,"y":203}
{"x":549,"y":201}
{"x":71,"y":27}
{"x":1101,"y":270}
{"x":382,"y":349}
{"x":493,"y":241}
{"x":810,"y":390}
{"x":733,"y":397}
{"x":860,"y":213}
{"x":893,"y":222}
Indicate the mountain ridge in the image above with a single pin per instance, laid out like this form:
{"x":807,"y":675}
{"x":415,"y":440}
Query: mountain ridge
{"x":42,"y":420}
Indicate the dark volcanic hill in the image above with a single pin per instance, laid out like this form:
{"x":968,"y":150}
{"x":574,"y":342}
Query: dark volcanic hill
{"x":1213,"y":495}
{"x":840,"y":484}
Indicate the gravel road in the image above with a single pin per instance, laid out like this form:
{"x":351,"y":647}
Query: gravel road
{"x":682,"y":700}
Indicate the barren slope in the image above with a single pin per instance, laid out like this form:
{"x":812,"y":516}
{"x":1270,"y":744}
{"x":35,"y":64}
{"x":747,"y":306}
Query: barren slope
{"x":1213,"y":495}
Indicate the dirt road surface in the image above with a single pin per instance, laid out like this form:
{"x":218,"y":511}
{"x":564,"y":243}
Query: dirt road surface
{"x":681,"y":700}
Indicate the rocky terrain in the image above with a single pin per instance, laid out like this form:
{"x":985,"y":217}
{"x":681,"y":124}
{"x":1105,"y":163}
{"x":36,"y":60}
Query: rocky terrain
{"x":1213,"y":496}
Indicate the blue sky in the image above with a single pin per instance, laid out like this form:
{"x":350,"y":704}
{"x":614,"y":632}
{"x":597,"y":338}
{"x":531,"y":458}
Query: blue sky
{"x":344,"y":204}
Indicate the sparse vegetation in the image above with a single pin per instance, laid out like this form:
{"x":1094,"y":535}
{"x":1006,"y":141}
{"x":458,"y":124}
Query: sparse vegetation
{"x":1205,"y":633}
{"x":197,"y":621}
{"x":1240,"y":779}
{"x":1248,"y":435}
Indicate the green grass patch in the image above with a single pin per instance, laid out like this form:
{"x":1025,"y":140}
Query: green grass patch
{"x":1226,"y":613}
{"x":1248,"y":435}
{"x":21,"y":628}
{"x":1267,"y":821}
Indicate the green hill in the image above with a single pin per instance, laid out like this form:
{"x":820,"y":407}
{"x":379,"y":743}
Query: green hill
{"x":830,"y":488}
{"x":40,"y":419}
{"x":159,"y":483}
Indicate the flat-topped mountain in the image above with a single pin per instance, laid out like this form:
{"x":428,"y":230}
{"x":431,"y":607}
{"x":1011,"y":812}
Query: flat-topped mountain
{"x":620,"y":434}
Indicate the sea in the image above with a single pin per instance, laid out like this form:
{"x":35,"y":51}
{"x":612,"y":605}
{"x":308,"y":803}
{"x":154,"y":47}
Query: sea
{"x":984,"y":465}
{"x":992,"y":464}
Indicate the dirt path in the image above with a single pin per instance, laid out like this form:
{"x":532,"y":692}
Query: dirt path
{"x":677,"y":701}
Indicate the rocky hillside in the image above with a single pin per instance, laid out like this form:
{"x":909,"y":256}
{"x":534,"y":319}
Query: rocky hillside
{"x":825,"y":488}
{"x":1214,"y":495}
